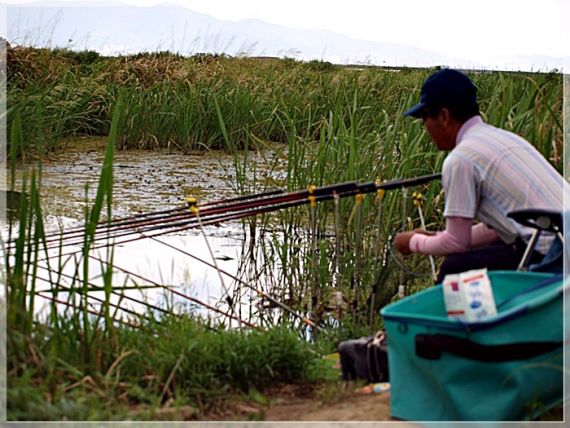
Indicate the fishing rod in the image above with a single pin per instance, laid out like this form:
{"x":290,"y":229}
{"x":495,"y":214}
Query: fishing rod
{"x":76,"y":235}
{"x":240,"y":210}
{"x":152,"y":225}
{"x":66,"y":289}
{"x":52,"y":299}
{"x":236,"y":208}
{"x":45,"y":293}
{"x":95,"y":287}
{"x":158,"y":215}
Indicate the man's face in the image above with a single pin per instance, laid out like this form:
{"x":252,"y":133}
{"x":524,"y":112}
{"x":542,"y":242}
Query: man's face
{"x":441,"y":129}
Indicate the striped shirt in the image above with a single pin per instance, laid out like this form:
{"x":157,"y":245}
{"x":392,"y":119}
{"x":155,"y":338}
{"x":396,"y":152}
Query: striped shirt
{"x":492,"y":172}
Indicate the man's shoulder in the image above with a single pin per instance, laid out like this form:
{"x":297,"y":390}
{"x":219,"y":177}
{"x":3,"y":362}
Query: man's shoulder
{"x":487,"y":140}
{"x":458,"y":159}
{"x":483,"y":132}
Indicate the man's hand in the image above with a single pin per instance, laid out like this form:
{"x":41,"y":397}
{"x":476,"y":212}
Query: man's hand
{"x":402,"y":242}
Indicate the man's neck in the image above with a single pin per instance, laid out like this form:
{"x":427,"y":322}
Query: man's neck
{"x":468,"y":124}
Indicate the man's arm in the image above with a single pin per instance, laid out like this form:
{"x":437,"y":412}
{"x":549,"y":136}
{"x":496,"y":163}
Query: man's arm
{"x":482,"y":235}
{"x":459,"y":236}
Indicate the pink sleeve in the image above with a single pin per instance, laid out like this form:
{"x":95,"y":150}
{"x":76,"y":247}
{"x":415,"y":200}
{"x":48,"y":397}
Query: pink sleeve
{"x":482,"y":235}
{"x":459,"y":236}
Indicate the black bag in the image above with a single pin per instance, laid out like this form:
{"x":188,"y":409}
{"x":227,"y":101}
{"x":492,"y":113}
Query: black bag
{"x":365,"y":358}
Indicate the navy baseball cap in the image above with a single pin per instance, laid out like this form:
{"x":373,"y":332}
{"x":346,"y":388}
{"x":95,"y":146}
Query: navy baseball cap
{"x":446,"y":87}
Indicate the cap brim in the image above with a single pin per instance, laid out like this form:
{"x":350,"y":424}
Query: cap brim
{"x":415,"y":110}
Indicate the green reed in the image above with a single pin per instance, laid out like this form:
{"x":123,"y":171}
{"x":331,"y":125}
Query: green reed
{"x":24,"y":259}
{"x":169,"y":99}
{"x":325,"y":123}
{"x":356,"y":140}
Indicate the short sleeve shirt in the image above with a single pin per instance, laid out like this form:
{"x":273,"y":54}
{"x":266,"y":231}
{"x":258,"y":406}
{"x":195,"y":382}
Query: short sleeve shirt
{"x":492,"y":172}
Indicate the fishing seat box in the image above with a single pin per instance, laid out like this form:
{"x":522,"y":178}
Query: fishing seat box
{"x":507,"y":367}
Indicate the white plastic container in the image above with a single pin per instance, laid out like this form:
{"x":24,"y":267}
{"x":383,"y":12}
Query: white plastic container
{"x":468,"y":296}
{"x":479,"y":302}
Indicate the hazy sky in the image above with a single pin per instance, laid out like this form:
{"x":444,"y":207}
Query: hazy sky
{"x":475,"y":29}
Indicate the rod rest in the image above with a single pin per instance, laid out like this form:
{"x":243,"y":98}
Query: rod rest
{"x":543,"y":220}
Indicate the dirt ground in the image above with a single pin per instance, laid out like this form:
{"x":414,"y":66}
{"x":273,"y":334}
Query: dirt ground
{"x":305,"y":405}
{"x":348,"y":406}
{"x":310,"y":403}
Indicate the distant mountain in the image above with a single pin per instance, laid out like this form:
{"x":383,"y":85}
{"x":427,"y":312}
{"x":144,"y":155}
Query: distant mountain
{"x":114,"y":28}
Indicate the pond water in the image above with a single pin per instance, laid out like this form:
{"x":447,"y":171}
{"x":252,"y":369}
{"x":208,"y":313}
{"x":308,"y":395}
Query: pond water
{"x":144,"y":182}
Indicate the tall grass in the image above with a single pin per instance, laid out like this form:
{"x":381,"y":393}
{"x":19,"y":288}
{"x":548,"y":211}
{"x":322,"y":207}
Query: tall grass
{"x":324,"y":124}
{"x":360,"y":140}
{"x":353,"y":266}
{"x":169,"y":99}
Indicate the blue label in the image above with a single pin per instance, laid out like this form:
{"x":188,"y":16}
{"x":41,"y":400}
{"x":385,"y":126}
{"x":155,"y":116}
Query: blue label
{"x":475,"y":304}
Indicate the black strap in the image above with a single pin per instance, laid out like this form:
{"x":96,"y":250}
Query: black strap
{"x":431,"y":346}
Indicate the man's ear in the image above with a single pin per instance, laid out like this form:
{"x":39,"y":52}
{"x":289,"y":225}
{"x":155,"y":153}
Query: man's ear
{"x":447,"y":119}
{"x":445,"y":115}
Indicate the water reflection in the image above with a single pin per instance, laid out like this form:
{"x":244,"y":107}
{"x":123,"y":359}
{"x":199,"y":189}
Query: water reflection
{"x":156,"y":271}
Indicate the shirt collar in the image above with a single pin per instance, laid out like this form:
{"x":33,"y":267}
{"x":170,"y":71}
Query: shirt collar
{"x":475,"y":120}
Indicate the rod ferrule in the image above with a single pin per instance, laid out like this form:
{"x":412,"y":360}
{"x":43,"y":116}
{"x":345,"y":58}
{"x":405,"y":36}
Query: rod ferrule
{"x":192,"y":204}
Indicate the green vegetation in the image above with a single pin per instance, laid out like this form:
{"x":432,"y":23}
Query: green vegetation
{"x":170,"y":100}
{"x":86,"y":364}
{"x":174,"y":362}
{"x":321,"y":124}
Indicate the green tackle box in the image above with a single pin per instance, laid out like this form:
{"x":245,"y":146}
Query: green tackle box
{"x":507,"y":367}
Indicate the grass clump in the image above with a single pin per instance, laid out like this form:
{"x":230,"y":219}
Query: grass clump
{"x":208,"y":364}
{"x":179,"y":360}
